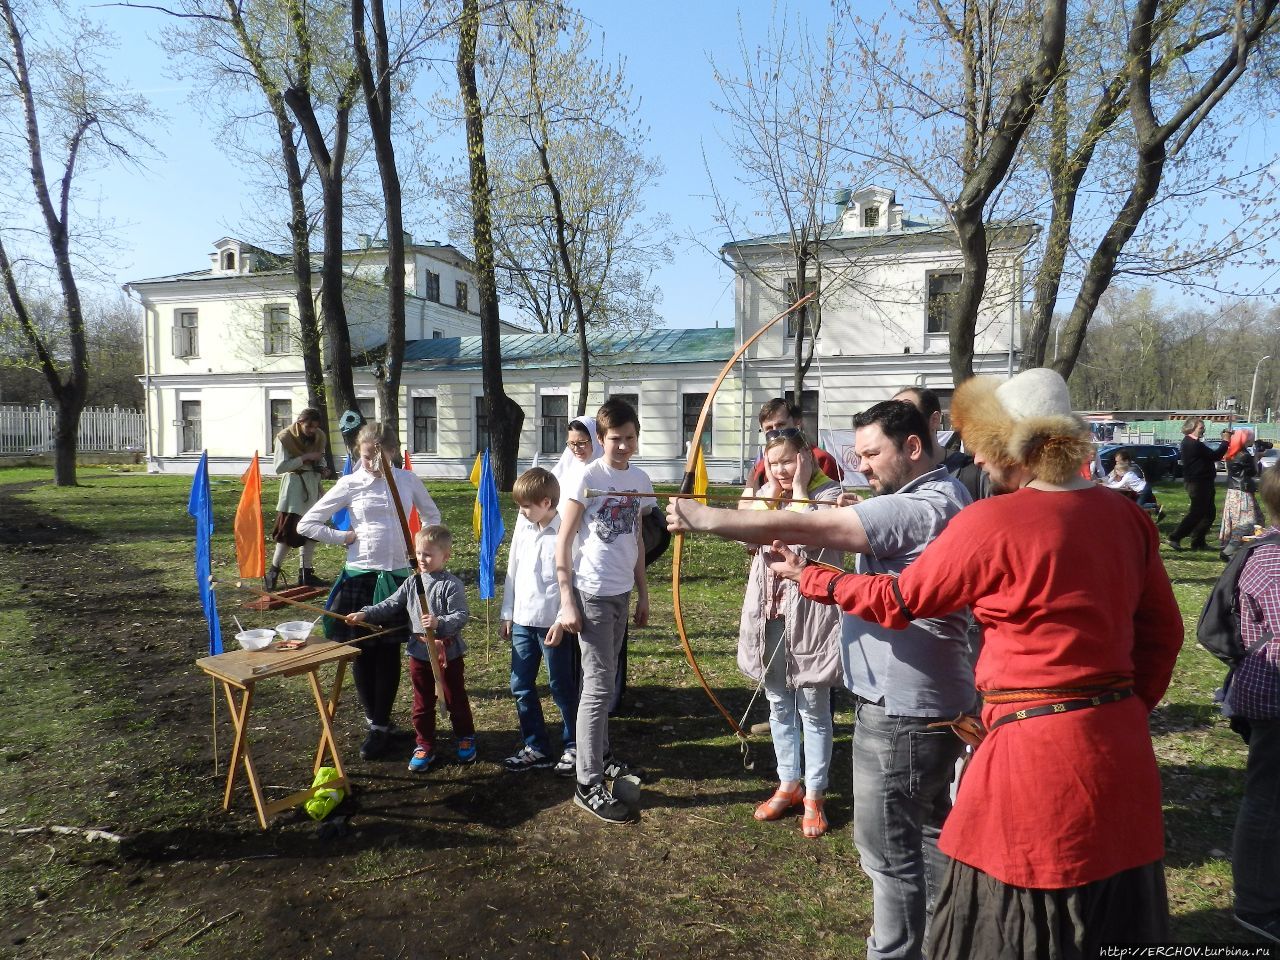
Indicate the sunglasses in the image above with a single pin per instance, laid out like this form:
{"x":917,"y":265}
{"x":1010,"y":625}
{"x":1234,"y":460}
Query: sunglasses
{"x":786,"y":433}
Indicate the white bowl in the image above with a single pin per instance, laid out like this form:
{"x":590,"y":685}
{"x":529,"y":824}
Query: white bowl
{"x":255,"y":639}
{"x":294,"y":629}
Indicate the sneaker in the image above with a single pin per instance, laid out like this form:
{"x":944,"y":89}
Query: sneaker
{"x":1176,"y":545}
{"x":599,"y":802}
{"x":421,"y":759}
{"x":526,"y":759}
{"x":375,"y":744}
{"x":567,"y":765}
{"x":1260,"y":924}
{"x":467,"y":749}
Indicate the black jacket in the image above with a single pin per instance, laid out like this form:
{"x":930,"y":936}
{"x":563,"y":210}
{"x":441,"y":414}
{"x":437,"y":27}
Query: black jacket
{"x":1198,"y":461}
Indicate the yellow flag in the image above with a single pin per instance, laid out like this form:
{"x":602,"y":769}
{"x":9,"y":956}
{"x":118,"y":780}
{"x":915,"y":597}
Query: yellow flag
{"x":699,"y":476}
{"x":475,"y":482}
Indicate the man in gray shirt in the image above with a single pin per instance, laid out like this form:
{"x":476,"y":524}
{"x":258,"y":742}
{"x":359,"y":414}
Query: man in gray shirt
{"x":903,"y":680}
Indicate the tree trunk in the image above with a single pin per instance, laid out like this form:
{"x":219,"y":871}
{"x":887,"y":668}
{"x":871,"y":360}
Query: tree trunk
{"x":329,"y":168}
{"x":504,"y":414}
{"x":377,"y":93}
{"x":986,"y":173}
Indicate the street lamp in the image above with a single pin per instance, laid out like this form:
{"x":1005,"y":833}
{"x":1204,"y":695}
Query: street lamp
{"x":1254,"y":389}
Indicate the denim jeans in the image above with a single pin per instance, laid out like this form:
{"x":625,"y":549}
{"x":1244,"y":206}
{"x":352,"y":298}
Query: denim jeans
{"x":1255,"y":851}
{"x":527,"y":653}
{"x":791,"y":712}
{"x":901,"y":794}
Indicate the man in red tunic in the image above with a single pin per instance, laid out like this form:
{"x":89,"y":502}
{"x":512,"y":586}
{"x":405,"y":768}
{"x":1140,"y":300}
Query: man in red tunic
{"x":1056,"y":837}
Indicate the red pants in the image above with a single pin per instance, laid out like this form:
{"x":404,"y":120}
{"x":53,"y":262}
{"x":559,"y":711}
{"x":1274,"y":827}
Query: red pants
{"x":424,"y":701}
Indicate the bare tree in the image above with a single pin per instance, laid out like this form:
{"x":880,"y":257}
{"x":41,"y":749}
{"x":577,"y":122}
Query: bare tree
{"x":504,"y":415}
{"x":792,"y":117}
{"x":69,"y":113}
{"x":1076,"y":135}
{"x":569,"y":172}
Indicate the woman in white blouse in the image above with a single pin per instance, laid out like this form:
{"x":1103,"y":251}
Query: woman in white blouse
{"x":376,"y":566}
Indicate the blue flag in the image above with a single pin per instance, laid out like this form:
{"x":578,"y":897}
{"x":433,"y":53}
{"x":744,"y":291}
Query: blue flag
{"x":491,"y":527}
{"x":342,"y":519}
{"x":200,"y":506}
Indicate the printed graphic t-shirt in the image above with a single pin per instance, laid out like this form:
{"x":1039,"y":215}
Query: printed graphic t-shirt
{"x":607,"y":540}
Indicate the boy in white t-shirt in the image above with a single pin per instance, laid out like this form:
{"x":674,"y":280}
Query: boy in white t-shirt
{"x":599,"y":560}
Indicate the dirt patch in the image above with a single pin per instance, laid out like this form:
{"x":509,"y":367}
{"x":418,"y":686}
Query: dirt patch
{"x":467,"y":862}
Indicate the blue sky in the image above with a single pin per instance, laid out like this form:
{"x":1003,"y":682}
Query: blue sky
{"x":168,"y":216}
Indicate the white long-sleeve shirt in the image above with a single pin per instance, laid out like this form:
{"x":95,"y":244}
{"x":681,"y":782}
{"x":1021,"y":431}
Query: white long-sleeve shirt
{"x":531,"y":596}
{"x":379,"y":543}
{"x":1129,"y":481}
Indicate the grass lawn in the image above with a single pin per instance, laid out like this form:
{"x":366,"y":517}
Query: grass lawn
{"x":105,"y":723}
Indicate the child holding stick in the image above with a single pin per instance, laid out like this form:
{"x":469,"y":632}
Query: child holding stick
{"x":437,"y":631}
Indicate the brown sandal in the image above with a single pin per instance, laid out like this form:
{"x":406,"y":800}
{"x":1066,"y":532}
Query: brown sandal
{"x":776,"y":807}
{"x":814,"y":821}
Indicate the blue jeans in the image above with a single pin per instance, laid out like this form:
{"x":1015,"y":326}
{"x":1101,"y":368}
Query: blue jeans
{"x":803,"y":714}
{"x":1255,"y":852}
{"x":901,"y":794}
{"x":527,"y":652}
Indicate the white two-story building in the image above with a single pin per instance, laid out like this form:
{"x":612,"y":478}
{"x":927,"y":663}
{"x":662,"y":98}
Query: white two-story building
{"x":885,"y":284}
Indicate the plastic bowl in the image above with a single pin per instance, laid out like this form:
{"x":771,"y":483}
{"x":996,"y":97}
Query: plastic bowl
{"x":256,"y":639}
{"x":294,"y":629}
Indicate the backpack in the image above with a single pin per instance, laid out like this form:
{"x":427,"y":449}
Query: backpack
{"x":1218,"y":629}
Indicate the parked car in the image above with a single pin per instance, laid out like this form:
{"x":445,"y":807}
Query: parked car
{"x":1268,"y":459}
{"x":1157,"y":460}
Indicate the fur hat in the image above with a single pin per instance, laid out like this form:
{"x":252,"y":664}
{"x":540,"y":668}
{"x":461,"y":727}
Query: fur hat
{"x":1024,"y":421}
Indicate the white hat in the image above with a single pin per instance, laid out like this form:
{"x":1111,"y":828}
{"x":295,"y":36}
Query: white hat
{"x":1039,"y":392}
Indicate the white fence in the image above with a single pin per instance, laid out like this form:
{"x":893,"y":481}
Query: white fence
{"x":29,"y":430}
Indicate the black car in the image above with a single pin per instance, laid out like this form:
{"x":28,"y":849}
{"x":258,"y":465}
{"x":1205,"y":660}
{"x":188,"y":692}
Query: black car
{"x":1157,"y":460}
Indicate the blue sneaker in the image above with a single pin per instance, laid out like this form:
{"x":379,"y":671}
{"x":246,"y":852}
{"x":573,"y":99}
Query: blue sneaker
{"x":467,"y":749}
{"x":421,"y":759}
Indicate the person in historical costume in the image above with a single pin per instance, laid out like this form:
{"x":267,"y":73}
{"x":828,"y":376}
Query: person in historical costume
{"x":376,"y":566}
{"x":300,"y":462}
{"x":1056,"y":837}
{"x":1240,"y":513}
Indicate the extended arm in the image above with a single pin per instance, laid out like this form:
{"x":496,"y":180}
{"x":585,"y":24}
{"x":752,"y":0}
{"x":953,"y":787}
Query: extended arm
{"x":569,"y":617}
{"x":838,"y":528}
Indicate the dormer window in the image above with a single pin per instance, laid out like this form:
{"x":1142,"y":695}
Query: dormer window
{"x":871,"y":216}
{"x":229,"y":260}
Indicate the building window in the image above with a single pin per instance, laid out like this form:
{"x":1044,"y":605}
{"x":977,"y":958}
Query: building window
{"x":186,"y":334}
{"x":631,"y":398}
{"x":809,"y":409}
{"x":191,"y":426}
{"x":424,"y":424}
{"x":555,"y":422}
{"x":366,"y":406}
{"x":281,"y":415}
{"x":229,"y":260}
{"x":437,"y":334}
{"x":943,"y":288}
{"x":433,"y":287}
{"x":871,"y":216}
{"x":276,"y":332}
{"x":692,"y":404}
{"x":810,"y":309}
{"x":460,"y":289}
{"x":482,"y":425}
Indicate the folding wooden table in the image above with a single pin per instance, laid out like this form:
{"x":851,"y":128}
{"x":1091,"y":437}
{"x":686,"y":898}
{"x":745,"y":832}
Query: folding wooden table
{"x":240,"y":671}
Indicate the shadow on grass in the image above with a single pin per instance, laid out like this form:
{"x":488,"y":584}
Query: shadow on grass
{"x":1180,"y":717}
{"x":1200,"y":810}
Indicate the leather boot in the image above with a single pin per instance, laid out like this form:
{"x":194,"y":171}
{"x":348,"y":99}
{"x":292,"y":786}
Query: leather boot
{"x":272,"y":578}
{"x":307,"y":578}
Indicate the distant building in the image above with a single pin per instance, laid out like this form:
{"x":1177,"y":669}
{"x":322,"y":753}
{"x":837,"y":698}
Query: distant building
{"x":885,"y":292}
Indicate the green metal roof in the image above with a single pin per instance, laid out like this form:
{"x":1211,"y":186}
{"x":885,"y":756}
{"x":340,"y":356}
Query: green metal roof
{"x":540,"y":350}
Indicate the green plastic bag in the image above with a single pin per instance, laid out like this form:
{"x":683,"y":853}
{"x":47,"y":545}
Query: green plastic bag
{"x":323,"y":802}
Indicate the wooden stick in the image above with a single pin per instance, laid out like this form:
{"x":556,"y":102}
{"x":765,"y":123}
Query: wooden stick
{"x":300,"y":657}
{"x":590,"y":493}
{"x":241,"y":585}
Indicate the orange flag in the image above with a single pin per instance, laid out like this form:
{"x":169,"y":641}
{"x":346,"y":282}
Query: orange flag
{"x":251,"y":552}
{"x":415,"y":521}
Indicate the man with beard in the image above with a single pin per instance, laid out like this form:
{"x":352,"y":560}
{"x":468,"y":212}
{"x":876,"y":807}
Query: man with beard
{"x":904,"y":681}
